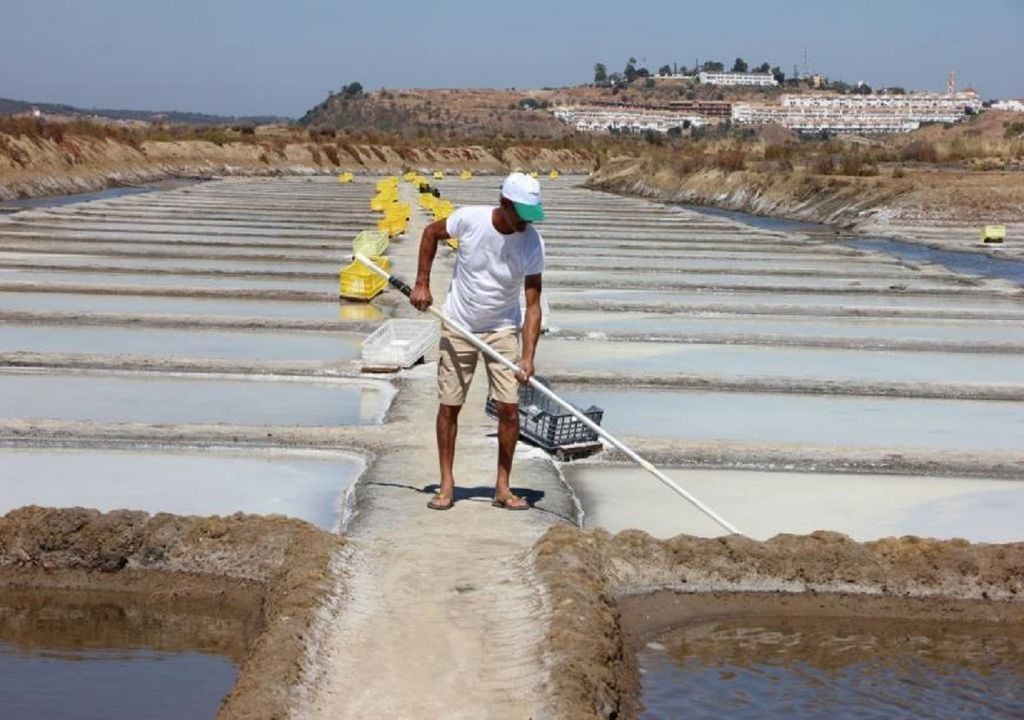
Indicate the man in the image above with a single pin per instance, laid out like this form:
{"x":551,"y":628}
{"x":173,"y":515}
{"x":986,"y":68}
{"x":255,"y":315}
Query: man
{"x":499,"y":252}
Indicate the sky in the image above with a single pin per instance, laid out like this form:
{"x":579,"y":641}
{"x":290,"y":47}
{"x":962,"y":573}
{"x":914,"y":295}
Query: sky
{"x":257,"y":57}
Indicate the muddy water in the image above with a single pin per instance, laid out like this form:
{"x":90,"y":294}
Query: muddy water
{"x":785,"y":667}
{"x":61,"y":657}
{"x":808,"y":419}
{"x":308,"y":485}
{"x":333,"y":347}
{"x":124,"y":397}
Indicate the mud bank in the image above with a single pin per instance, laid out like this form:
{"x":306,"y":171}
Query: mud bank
{"x":273,"y":573}
{"x":609,"y":593}
{"x":34,"y":167}
{"x":943,"y":208}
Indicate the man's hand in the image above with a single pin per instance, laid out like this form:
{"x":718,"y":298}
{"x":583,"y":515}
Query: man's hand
{"x":525,"y":371}
{"x":420,"y":297}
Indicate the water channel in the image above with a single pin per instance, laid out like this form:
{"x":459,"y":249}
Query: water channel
{"x":788,"y":667}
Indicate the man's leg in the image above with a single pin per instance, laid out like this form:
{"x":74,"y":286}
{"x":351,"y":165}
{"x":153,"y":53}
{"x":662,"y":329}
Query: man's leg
{"x":455,"y":369}
{"x":505,"y":391}
{"x":508,"y":434}
{"x":447,"y":431}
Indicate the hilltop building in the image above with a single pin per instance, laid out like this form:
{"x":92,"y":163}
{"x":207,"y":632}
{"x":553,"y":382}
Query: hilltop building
{"x":1011,"y":105}
{"x":626,"y":119}
{"x":736,"y":78}
{"x":811,"y":114}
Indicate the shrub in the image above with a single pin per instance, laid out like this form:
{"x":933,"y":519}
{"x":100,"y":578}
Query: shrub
{"x":822,"y":165}
{"x":920,"y":151}
{"x":731,"y":159}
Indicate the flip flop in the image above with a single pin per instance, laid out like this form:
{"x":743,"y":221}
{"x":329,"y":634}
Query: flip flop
{"x":511,"y":502}
{"x":441,"y":502}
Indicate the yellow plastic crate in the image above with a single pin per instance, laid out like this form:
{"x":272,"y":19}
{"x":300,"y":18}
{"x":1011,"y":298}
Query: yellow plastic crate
{"x":346,"y":177}
{"x":465,"y":175}
{"x":438,"y":175}
{"x":534,"y":174}
{"x":993,"y":233}
{"x":398,"y":210}
{"x":392,"y":226}
{"x":388,"y":183}
{"x":553,"y":175}
{"x":358,"y":282}
{"x":370,"y":243}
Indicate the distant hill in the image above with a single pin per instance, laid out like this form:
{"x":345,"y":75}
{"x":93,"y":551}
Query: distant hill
{"x":13,"y":107}
{"x":440,"y":114}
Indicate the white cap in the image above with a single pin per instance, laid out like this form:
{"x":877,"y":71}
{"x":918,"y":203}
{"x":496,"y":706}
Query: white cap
{"x":524,"y":192}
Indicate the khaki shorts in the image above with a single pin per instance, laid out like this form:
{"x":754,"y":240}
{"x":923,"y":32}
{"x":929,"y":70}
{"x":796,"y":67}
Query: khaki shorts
{"x":458,"y":363}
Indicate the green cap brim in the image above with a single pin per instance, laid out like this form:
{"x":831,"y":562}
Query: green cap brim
{"x":529,"y":213}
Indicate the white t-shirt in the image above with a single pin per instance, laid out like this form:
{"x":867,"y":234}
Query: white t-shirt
{"x":489,"y":270}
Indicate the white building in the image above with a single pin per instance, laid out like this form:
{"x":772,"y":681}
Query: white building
{"x":736,"y":78}
{"x":859,"y":113}
{"x":1011,"y":105}
{"x":638,"y":120}
{"x":922,"y":107}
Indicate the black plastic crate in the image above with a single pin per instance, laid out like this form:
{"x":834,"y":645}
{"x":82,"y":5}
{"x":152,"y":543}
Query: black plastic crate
{"x":547,"y":424}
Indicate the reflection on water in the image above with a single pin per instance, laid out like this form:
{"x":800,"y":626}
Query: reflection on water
{"x":107,"y":660}
{"x":360,"y":311}
{"x":833,"y":667}
{"x":965,"y":262}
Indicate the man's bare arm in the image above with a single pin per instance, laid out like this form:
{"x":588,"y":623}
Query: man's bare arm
{"x":432,"y":234}
{"x":531,"y":326}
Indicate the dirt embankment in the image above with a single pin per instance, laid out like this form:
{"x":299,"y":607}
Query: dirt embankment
{"x":914,"y":196}
{"x":275,"y":570}
{"x":590,"y":576}
{"x":37,"y":166}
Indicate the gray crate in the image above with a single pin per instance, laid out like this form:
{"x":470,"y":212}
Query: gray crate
{"x":547,"y":424}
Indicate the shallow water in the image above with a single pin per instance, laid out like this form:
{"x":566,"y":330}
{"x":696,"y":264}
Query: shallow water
{"x":962,"y":262}
{"x":761,"y":299}
{"x":112,"y":662}
{"x":326,"y":309}
{"x":164,"y":398}
{"x":306,"y":485}
{"x":619,"y":278}
{"x":759,"y":221}
{"x":807,"y":419}
{"x":60,"y":200}
{"x":769,"y":667}
{"x":800,"y":363}
{"x":50,"y":277}
{"x":857,"y":329}
{"x":763,"y":504}
{"x":333,"y":347}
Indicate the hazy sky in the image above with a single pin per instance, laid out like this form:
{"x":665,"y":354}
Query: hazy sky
{"x":246,"y":57}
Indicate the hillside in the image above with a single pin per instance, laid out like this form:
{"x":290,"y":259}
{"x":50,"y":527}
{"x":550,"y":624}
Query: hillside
{"x":478,"y":114}
{"x":15,"y":107}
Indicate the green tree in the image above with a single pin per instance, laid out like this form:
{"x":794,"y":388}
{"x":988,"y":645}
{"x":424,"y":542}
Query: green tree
{"x":780,"y":77}
{"x":764,"y":68}
{"x":600,"y":74}
{"x":862,"y":89}
{"x":665,"y":70}
{"x":712,"y":66}
{"x":353,"y":89}
{"x":740,"y":66}
{"x":630,"y":70}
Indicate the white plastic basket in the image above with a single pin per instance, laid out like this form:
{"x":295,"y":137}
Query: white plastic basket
{"x":400,"y":343}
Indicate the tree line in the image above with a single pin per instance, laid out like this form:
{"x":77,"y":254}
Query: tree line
{"x":631,"y":72}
